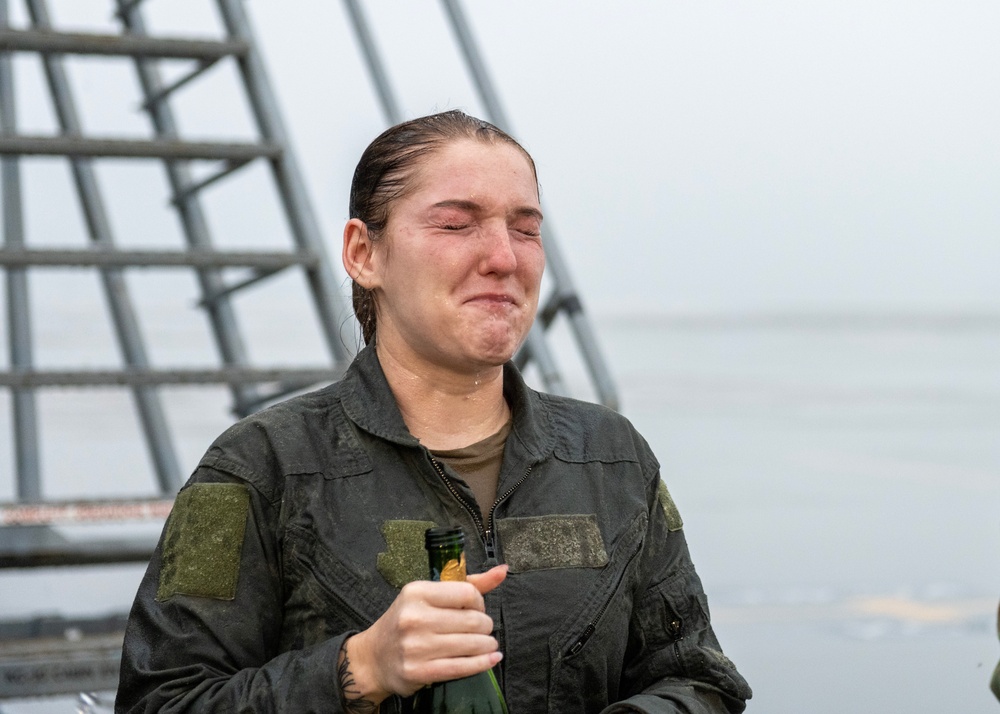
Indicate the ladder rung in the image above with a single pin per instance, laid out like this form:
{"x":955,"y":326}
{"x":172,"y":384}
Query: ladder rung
{"x":153,"y":377}
{"x":162,"y":94}
{"x":41,"y":546}
{"x":278,"y":394}
{"x":214,"y":297}
{"x":126,"y":45}
{"x":76,"y":146}
{"x":229,"y":168}
{"x":19,"y":258}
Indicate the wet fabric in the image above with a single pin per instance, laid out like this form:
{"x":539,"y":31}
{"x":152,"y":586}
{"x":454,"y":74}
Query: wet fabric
{"x":337,"y":490}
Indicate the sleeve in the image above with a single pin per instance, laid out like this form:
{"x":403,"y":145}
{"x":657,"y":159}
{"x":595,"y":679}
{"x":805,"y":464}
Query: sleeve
{"x":674,"y":663}
{"x":204,"y":633}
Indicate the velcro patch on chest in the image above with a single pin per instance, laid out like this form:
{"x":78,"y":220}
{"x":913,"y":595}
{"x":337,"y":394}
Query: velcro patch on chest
{"x":406,"y":557}
{"x":547,"y":542}
{"x":203,"y":543}
{"x":674,"y":522}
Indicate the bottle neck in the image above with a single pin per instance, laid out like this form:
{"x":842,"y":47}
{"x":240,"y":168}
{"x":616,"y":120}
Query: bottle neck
{"x":447,"y":563}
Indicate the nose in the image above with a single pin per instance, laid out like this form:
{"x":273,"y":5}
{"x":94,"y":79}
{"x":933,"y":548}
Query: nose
{"x":498,"y":251}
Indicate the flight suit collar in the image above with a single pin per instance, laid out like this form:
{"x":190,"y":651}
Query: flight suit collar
{"x":370,"y":404}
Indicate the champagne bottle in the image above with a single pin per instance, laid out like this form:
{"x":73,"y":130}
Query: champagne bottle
{"x":480,"y":693}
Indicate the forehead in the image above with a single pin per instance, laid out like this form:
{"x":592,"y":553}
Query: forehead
{"x":468,"y":166}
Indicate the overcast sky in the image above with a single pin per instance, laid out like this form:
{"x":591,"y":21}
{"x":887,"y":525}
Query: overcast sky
{"x":706,"y":156}
{"x":694,"y":156}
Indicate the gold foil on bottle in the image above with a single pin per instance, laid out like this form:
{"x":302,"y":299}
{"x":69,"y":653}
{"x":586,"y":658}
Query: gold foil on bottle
{"x":454,"y":570}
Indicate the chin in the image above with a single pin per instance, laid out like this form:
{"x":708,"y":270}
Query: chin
{"x":488,"y":358}
{"x":496,"y":353}
{"x":493,"y":347}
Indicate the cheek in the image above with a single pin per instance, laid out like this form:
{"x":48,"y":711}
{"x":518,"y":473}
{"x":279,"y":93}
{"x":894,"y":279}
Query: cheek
{"x":532,"y":264}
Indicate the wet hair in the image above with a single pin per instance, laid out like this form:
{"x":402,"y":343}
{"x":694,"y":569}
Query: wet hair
{"x":386,"y":172}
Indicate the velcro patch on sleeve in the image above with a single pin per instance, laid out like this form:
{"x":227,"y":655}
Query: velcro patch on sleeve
{"x":405,"y":560}
{"x":674,"y":522}
{"x":203,"y":543}
{"x":547,"y":542}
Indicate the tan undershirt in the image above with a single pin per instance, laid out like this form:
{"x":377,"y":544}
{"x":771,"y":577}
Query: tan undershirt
{"x":479,"y":465}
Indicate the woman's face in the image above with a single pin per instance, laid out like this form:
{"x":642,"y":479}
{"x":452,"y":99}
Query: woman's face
{"x":457,"y":275}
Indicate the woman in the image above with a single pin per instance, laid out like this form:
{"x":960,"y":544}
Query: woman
{"x":289,"y":575}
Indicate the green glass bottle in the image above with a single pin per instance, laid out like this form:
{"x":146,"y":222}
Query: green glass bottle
{"x":480,"y":693}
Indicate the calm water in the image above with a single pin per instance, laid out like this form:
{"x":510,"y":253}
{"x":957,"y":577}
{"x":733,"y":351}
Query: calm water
{"x":841,"y":489}
{"x":839,"y":481}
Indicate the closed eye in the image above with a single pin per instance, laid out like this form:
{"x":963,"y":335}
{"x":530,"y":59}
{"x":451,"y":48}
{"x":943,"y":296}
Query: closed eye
{"x":527,"y":228}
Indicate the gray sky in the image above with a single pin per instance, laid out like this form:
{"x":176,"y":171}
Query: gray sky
{"x":710,"y":156}
{"x":694,"y":157}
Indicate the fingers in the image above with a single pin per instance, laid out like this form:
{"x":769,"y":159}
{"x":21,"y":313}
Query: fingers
{"x":443,"y":646}
{"x":426,"y":656}
{"x":432,"y":632}
{"x":487,"y":581}
{"x":425,"y":616}
{"x":460,"y":595}
{"x":441,"y":670}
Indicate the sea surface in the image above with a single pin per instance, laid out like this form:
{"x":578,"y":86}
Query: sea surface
{"x":838,"y":476}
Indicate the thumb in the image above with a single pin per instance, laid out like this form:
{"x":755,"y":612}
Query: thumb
{"x":485,"y":582}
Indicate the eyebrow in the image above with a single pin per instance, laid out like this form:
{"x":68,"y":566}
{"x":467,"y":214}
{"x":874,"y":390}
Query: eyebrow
{"x":474,"y":207}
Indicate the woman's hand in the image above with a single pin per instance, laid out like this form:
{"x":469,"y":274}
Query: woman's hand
{"x":432,"y":632}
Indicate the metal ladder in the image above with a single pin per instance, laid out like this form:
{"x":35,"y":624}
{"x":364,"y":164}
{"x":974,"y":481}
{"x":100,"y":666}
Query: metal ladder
{"x":178,"y":155}
{"x":29,"y":533}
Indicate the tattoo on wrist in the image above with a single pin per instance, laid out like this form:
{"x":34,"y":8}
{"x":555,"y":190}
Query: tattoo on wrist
{"x":354,"y":701}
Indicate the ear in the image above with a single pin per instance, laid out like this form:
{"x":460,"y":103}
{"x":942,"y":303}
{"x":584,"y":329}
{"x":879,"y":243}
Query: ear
{"x":359,"y":254}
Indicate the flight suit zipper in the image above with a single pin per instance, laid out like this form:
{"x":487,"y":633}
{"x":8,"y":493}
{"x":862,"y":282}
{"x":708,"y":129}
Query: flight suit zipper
{"x":592,"y":625}
{"x":486,"y":531}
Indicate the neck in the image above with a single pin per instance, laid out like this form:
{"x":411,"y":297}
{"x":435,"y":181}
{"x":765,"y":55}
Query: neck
{"x":442,"y":408}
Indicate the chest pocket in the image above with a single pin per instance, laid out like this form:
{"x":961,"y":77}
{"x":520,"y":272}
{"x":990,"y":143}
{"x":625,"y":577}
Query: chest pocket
{"x":589,"y":645}
{"x":326,"y":595}
{"x":574,"y":593}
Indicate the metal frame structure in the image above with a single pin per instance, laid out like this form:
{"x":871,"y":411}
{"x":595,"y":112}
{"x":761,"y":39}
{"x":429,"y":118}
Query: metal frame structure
{"x":177,"y":155}
{"x":29,"y":528}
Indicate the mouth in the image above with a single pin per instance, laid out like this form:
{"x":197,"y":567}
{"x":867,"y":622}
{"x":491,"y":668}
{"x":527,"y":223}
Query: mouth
{"x":499,"y":299}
